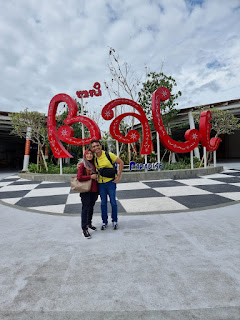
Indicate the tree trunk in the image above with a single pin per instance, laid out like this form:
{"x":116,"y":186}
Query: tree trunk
{"x":201,"y":161}
{"x":164,"y":154}
{"x":209,"y":157}
{"x":40,"y":158}
{"x":121,"y":149}
{"x":170,"y":157}
{"x":38,"y":154}
{"x":45,"y":163}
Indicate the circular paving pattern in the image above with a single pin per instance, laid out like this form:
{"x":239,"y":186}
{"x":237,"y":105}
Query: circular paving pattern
{"x":143,"y":197}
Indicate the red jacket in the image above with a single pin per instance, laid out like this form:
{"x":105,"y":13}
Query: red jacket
{"x":84,"y":174}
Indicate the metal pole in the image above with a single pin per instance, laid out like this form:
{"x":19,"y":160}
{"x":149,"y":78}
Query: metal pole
{"x":192,"y":126}
{"x":173,"y":157}
{"x":60,"y":160}
{"x":83,"y":135}
{"x":158,"y":150}
{"x":205,"y":156}
{"x":191,"y":156}
{"x":145,"y":162}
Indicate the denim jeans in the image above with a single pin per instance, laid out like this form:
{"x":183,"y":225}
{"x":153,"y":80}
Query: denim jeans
{"x":108,"y":188}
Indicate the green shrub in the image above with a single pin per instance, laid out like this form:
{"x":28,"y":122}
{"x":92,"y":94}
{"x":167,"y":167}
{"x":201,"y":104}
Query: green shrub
{"x":53,"y":169}
{"x":70,"y":169}
{"x":175,"y":166}
{"x":183,"y":163}
{"x":32,"y":167}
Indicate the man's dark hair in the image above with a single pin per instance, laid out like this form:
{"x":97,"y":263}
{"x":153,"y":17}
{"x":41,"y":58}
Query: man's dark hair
{"x":95,"y":141}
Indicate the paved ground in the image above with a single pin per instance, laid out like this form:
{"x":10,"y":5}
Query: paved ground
{"x":164,"y":266}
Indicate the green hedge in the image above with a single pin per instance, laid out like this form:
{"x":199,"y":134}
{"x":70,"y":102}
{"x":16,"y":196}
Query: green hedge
{"x":54,"y":169}
{"x":72,"y":169}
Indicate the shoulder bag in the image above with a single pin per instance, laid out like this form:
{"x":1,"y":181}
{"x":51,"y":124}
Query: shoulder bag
{"x":108,"y":172}
{"x":80,"y":186}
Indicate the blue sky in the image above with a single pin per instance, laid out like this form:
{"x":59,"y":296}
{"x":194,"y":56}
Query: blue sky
{"x":49,"y":47}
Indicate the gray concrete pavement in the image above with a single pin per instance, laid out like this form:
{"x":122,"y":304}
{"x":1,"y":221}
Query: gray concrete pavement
{"x":175,"y":266}
{"x":231,"y":164}
{"x":6,"y":173}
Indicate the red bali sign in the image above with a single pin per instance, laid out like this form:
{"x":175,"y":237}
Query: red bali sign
{"x":192,"y":135}
{"x":133,"y":135}
{"x":66,"y":133}
{"x":205,"y":129}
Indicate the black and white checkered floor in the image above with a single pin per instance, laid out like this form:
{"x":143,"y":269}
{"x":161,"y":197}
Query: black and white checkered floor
{"x":133,"y":197}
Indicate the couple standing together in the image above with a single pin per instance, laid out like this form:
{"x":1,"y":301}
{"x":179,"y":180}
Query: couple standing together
{"x":100,"y":185}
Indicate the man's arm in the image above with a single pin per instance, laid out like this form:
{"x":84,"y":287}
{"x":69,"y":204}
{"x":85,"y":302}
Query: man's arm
{"x":121,"y":164}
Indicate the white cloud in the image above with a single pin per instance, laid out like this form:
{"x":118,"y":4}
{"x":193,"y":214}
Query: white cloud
{"x":50,"y":47}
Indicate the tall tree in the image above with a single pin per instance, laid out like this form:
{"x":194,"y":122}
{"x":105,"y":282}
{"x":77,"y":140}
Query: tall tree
{"x":124,"y":81}
{"x":124,"y":84}
{"x":222,"y":121}
{"x":168,"y":112}
{"x":153,"y":82}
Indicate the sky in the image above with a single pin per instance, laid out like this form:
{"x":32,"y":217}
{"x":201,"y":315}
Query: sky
{"x":51,"y":47}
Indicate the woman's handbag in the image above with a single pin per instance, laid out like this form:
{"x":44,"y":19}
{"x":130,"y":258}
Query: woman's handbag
{"x":80,"y":186}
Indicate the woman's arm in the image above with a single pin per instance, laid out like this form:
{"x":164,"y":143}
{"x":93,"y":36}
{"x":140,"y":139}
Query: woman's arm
{"x":80,"y":175}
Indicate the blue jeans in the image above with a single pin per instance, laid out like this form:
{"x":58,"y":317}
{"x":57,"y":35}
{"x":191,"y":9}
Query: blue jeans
{"x":108,"y":188}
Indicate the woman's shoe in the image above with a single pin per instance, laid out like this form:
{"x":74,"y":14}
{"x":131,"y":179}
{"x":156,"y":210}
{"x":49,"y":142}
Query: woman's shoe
{"x":86,"y":234}
{"x":92,"y":227}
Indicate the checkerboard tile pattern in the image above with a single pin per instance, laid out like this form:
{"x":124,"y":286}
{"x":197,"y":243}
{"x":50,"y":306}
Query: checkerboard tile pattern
{"x":134,"y":197}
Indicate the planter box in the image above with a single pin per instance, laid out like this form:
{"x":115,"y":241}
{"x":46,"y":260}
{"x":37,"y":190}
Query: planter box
{"x":131,"y":176}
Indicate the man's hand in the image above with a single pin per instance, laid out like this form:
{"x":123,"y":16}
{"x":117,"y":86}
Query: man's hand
{"x":120,"y":162}
{"x":116,"y":180}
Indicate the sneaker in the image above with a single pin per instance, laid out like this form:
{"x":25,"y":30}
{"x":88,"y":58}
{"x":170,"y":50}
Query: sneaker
{"x":92,"y":227}
{"x":86,"y":234}
{"x":115,"y":226}
{"x":104,"y":226}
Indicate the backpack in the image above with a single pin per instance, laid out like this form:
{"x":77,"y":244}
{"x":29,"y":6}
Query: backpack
{"x":108,"y":172}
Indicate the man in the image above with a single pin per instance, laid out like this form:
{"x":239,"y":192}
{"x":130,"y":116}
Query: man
{"x":107,"y":186}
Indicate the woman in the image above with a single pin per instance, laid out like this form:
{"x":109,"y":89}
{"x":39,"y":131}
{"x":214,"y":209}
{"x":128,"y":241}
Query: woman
{"x":87,"y":171}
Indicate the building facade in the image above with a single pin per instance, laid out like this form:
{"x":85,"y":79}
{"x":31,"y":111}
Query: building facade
{"x":229,"y":148}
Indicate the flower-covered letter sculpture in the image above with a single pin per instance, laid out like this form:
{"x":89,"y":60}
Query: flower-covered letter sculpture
{"x":191,"y":135}
{"x":65,"y":133}
{"x":133,"y":135}
{"x":205,"y":128}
